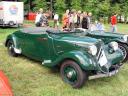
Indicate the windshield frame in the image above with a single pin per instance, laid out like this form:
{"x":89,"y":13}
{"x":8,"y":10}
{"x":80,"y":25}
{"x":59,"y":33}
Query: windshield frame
{"x":57,"y":31}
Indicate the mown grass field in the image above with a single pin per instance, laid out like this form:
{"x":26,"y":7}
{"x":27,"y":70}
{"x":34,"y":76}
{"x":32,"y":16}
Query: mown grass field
{"x":30,"y":78}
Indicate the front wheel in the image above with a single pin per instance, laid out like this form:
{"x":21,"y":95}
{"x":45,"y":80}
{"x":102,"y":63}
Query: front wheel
{"x":11,"y":51}
{"x":73,"y":74}
{"x":124,"y":49}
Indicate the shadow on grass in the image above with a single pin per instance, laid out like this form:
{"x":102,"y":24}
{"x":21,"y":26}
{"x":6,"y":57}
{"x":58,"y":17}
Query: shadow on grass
{"x":52,"y":70}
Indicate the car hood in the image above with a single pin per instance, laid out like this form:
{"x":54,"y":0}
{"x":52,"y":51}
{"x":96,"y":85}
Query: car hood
{"x":77,"y":39}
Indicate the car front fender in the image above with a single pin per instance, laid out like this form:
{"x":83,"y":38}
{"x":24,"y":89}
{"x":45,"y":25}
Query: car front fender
{"x":107,"y":37}
{"x":84,"y":60}
{"x":118,"y":40}
{"x":108,"y":40}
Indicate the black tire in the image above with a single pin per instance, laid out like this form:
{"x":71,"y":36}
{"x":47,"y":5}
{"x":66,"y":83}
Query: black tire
{"x":10,"y":46}
{"x":124,"y":49}
{"x":81,"y":75}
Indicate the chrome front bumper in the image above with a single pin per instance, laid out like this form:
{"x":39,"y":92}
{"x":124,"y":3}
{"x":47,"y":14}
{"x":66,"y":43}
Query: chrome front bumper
{"x":101,"y":75}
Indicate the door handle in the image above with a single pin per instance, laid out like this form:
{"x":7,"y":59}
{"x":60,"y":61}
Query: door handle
{"x":42,"y":39}
{"x":58,"y":46}
{"x":60,"y":52}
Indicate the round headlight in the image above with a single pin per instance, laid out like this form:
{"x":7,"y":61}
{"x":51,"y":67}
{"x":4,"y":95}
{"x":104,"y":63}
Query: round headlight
{"x":93,"y":49}
{"x":125,"y":37}
{"x":114,"y":45}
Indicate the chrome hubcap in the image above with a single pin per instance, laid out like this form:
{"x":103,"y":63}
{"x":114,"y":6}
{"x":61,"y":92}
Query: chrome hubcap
{"x":69,"y":75}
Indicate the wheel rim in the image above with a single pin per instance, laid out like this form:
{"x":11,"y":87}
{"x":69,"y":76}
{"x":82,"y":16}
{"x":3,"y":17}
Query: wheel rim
{"x":70,"y":75}
{"x":124,"y":51}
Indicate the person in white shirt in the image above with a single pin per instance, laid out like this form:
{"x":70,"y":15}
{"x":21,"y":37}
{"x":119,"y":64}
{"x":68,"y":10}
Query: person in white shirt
{"x":89,"y":20}
{"x":38,"y":18}
{"x":56,"y":20}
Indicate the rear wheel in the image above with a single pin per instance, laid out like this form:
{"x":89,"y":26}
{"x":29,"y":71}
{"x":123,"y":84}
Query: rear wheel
{"x":73,"y":74}
{"x":11,"y":51}
{"x":124,"y":49}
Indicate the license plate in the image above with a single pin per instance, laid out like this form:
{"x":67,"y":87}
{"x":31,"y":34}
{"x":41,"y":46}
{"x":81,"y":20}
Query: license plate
{"x":103,"y":60}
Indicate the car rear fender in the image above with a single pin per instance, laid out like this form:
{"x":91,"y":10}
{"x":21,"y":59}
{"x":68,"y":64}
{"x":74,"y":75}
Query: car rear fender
{"x":12,"y":38}
{"x":15,"y":42}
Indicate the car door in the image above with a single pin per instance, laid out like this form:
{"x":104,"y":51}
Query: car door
{"x":36,"y":46}
{"x":42,"y":47}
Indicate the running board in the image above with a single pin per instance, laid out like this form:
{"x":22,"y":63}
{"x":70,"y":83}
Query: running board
{"x":101,"y":75}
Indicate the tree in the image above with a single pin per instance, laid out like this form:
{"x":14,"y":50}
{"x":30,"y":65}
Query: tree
{"x":76,"y":4}
{"x":34,"y":5}
{"x":27,"y":5}
{"x":60,"y":7}
{"x":124,"y":9}
{"x":68,"y":4}
{"x":103,"y":8}
{"x":40,"y":4}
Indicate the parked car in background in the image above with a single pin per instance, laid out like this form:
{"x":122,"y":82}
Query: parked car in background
{"x":79,"y":57}
{"x":11,"y":14}
{"x":108,"y":37}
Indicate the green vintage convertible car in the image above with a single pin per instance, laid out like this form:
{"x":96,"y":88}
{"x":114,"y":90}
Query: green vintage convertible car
{"x":108,"y":37}
{"x":79,"y":58}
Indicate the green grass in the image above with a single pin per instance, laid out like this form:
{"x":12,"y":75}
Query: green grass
{"x":30,"y":78}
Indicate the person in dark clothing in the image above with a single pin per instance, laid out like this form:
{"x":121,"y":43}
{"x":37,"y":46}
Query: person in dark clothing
{"x":85,"y":23}
{"x":44,"y":20}
{"x":78,"y":19}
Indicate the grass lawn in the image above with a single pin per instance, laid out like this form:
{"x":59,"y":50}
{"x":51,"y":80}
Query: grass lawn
{"x":30,"y":78}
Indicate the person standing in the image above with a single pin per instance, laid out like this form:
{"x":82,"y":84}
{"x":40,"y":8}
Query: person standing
{"x":65,"y":19}
{"x":85,"y":21}
{"x":71,"y":19}
{"x":74,"y":19}
{"x":44,"y":20}
{"x":78,"y":19}
{"x":100,"y":26}
{"x":114,"y":23}
{"x":56,"y":20}
{"x":89,"y":20}
{"x":39,"y":15}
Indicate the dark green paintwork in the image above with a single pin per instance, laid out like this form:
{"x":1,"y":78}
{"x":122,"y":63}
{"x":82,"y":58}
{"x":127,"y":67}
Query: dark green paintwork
{"x":59,"y":47}
{"x":107,"y":37}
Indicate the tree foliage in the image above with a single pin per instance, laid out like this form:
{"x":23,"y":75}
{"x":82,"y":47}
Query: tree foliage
{"x":60,"y":6}
{"x":40,"y":4}
{"x":76,"y":4}
{"x":97,"y":7}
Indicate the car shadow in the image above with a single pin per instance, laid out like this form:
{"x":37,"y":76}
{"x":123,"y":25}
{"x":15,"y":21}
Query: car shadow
{"x":55,"y":69}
